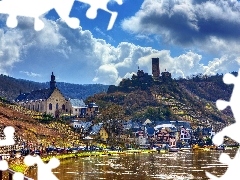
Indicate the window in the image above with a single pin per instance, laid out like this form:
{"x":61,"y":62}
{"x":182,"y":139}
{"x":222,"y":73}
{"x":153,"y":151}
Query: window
{"x":63,"y":107}
{"x":33,"y":107}
{"x":50,"y":106}
{"x":57,"y":106}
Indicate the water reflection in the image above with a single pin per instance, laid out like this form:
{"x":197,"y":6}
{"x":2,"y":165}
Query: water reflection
{"x":175,"y":166}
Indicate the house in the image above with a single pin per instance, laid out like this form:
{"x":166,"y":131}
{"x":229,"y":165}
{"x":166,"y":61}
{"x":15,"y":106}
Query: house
{"x":166,"y":125}
{"x":172,"y":142}
{"x":150,"y":135}
{"x":94,"y":131}
{"x":150,"y":132}
{"x":185,"y":134}
{"x":49,"y":101}
{"x":98,"y":131}
{"x":163,"y":136}
{"x":140,"y":137}
{"x":92,"y":109}
{"x":132,"y":127}
{"x":79,"y":108}
{"x":103,"y":134}
{"x":83,"y":126}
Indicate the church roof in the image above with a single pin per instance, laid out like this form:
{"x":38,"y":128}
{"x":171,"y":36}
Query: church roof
{"x":35,"y":95}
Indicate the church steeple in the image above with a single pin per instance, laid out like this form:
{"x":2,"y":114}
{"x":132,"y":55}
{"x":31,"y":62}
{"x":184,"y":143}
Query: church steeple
{"x":52,"y":82}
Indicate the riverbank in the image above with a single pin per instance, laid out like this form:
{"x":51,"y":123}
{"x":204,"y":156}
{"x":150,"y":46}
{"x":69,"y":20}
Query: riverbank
{"x":62,"y":157}
{"x":18,"y":165}
{"x":182,"y":165}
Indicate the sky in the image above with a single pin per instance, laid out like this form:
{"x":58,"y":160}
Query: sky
{"x":188,"y":36}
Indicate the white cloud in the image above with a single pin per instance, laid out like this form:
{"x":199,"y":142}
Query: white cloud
{"x":76,"y":56}
{"x":107,"y":74}
{"x":224,"y":64}
{"x":32,"y":74}
{"x":10,"y":49}
{"x":196,"y":24}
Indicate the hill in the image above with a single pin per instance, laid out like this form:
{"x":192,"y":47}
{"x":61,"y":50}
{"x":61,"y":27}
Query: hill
{"x":32,"y":131}
{"x":191,"y":100}
{"x":11,"y":87}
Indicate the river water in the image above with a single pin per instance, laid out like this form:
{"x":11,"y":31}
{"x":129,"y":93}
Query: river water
{"x":175,"y":166}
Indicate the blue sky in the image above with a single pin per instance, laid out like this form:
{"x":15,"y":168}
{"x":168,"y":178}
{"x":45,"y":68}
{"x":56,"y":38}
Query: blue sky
{"x":188,"y":36}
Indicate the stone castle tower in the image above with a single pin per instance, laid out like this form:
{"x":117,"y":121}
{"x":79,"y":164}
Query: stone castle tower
{"x":155,"y":68}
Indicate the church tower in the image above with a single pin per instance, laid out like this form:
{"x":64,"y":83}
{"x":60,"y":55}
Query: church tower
{"x":155,"y":68}
{"x":52,"y":82}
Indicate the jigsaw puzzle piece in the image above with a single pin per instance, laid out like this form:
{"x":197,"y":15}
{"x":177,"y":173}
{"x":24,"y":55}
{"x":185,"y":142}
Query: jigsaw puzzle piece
{"x":26,"y":8}
{"x":18,"y":176}
{"x":229,"y":79}
{"x":100,"y":4}
{"x":12,"y":21}
{"x":9,"y":136}
{"x":3,"y":165}
{"x":35,"y":9}
{"x":232,"y":170}
{"x":211,"y":176}
{"x":229,"y":131}
{"x":221,"y":104}
{"x":44,"y":169}
{"x":63,"y":8}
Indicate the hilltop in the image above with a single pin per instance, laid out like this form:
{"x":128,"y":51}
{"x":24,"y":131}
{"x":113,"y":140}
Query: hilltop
{"x":141,"y":97}
{"x":192,"y":99}
{"x":11,"y":87}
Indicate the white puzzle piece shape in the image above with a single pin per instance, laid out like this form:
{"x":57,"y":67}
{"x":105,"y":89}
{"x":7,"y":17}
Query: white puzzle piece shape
{"x":37,"y":8}
{"x":9,"y":136}
{"x":44,"y":170}
{"x":231,"y":131}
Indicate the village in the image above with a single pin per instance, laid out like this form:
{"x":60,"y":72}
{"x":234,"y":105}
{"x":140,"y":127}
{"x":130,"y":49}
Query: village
{"x":48,"y":123}
{"x":50,"y":105}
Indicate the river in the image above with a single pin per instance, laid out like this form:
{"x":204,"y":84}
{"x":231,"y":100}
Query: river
{"x":175,"y":166}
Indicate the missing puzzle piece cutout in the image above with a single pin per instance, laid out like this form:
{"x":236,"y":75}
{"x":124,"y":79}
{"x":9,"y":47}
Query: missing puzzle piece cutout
{"x":233,"y":167}
{"x":37,"y":8}
{"x":44,"y":170}
{"x":18,"y":176}
{"x":231,"y":131}
{"x":3,"y":165}
{"x":9,"y":136}
{"x":101,"y":4}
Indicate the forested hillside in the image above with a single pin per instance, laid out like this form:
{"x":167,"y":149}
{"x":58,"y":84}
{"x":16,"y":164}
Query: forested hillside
{"x":191,"y":99}
{"x":11,"y":87}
